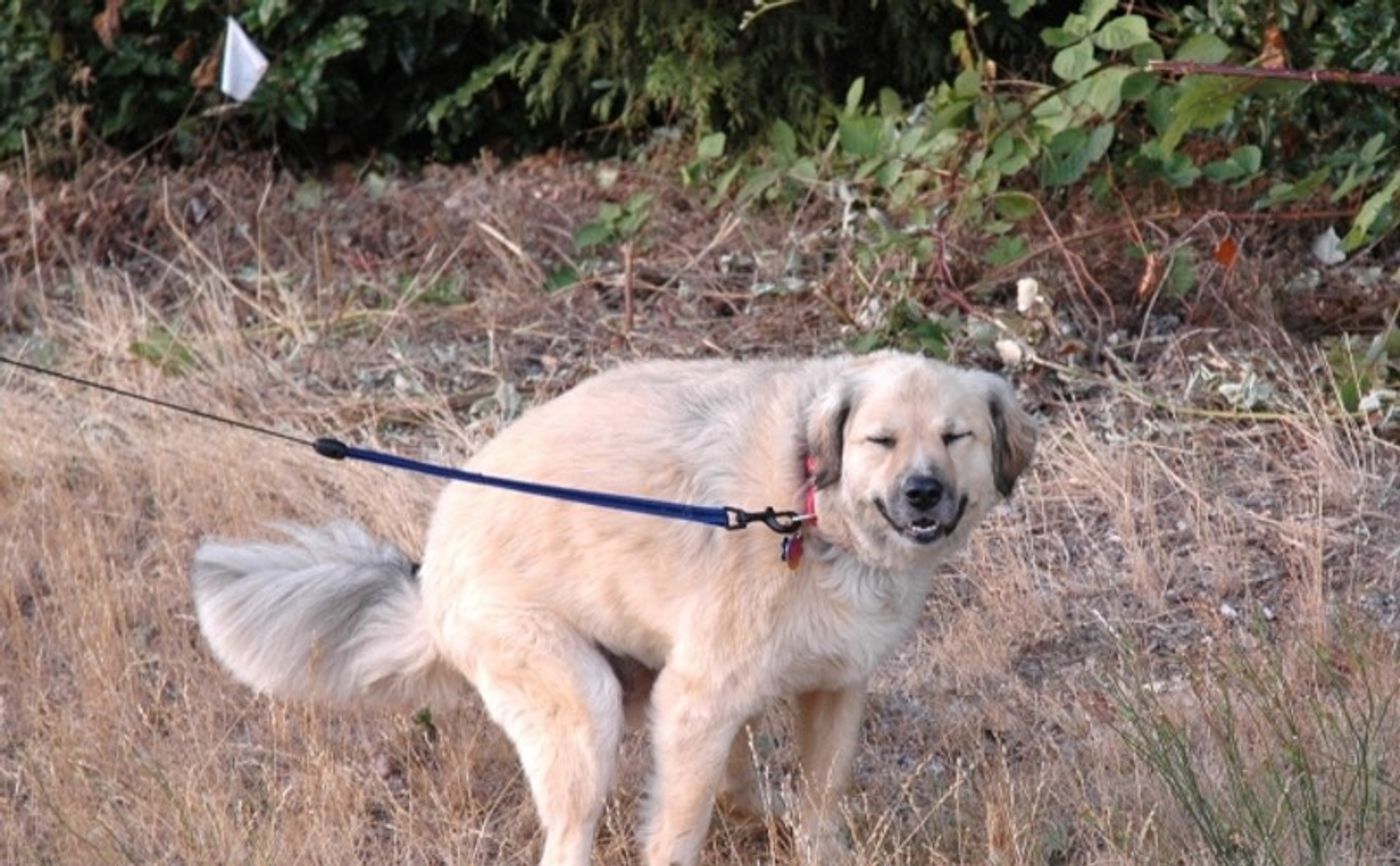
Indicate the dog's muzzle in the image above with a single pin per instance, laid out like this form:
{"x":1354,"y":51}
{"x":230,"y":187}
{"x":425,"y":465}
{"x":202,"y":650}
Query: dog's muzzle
{"x":926,"y":526}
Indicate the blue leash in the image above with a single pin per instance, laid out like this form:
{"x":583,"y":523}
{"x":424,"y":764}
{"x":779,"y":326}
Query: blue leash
{"x":722,"y":516}
{"x":725,"y":517}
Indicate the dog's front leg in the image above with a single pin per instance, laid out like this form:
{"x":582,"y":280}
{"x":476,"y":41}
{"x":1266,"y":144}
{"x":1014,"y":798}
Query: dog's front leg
{"x":694,"y":722}
{"x":828,"y":728}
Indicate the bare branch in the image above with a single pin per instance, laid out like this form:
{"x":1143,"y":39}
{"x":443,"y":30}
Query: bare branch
{"x":1314,"y":76}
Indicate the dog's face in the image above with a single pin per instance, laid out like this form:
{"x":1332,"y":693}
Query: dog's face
{"x":914,"y":453}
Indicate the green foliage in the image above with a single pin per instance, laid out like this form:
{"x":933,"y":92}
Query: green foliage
{"x":343,"y":76}
{"x":782,"y":101}
{"x":164,"y":348}
{"x":440,"y":78}
{"x":1367,"y":380}
{"x":616,"y":223}
{"x":909,"y":329}
{"x":977,"y":153}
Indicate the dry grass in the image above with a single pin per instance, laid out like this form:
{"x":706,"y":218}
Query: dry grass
{"x":1137,"y":576}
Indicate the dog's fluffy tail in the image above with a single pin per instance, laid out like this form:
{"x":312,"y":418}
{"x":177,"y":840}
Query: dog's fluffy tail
{"x":331,"y":615}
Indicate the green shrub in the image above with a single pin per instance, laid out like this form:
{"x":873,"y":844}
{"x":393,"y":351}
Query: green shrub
{"x":984,"y":153}
{"x":444,"y":78}
{"x":344,"y":77}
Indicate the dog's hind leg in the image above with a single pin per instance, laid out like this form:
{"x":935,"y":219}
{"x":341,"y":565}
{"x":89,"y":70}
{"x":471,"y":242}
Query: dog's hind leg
{"x":560,"y":703}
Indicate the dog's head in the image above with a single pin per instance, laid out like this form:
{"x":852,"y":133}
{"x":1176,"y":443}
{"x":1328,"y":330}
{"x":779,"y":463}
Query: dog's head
{"x":912,"y":453}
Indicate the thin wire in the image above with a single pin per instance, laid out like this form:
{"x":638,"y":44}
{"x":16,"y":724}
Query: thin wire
{"x":208,"y":416}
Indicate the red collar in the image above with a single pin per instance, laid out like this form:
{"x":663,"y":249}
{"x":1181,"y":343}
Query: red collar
{"x":809,"y":488}
{"x":793,"y":544}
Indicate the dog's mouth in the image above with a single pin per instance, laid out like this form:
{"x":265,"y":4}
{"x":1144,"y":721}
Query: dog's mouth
{"x":924,"y":529}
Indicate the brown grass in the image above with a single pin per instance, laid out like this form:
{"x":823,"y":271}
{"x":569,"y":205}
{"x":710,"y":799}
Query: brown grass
{"x":1144,"y":555}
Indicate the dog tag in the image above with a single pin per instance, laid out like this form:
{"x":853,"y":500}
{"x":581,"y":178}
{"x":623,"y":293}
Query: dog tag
{"x":792,"y":550}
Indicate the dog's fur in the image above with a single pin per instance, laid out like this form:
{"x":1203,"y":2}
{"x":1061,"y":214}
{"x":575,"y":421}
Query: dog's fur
{"x":562,"y":615}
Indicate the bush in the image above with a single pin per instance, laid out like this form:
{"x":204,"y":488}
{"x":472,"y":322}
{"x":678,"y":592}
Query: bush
{"x":989,"y":151}
{"x":439,"y":78}
{"x":345,"y":76}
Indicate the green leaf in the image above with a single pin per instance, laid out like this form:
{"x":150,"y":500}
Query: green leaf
{"x":1176,"y":169}
{"x":1018,"y":8}
{"x":560,"y":278}
{"x":1371,"y":150}
{"x":1066,"y":158}
{"x":757,"y":183}
{"x":1006,"y":250}
{"x":723,"y":184}
{"x":1073,"y":62}
{"x":1144,"y":53}
{"x":804,"y":171}
{"x":1204,"y":101}
{"x":711,"y":146}
{"x":1105,"y":94}
{"x":1122,"y":33}
{"x":864,"y":344}
{"x":1249,"y":157}
{"x":1356,"y":176}
{"x":1010,"y":154}
{"x":860,"y":135}
{"x":1287,"y":193}
{"x":1222,"y":171}
{"x":1180,"y":277}
{"x":784,"y":141}
{"x":890,"y":103}
{"x":1349,"y":391}
{"x":868,"y":167}
{"x":1159,"y":107}
{"x":968,"y":84}
{"x":889,"y":173}
{"x":459,"y":100}
{"x":167,"y":351}
{"x":592,"y":234}
{"x":1138,"y":86}
{"x":631,"y":224}
{"x":854,"y":95}
{"x":1099,"y":141}
{"x":1371,"y":210}
{"x":1095,"y":11}
{"x":1203,"y":48}
{"x":1241,"y":164}
{"x":1015,"y":206}
{"x":1059,"y":37}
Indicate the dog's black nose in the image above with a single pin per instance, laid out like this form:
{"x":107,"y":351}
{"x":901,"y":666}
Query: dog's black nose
{"x":923,"y":491}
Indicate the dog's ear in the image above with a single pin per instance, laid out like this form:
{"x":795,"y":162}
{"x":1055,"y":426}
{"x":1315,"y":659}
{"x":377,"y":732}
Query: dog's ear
{"x":826,"y":434}
{"x":1013,"y":433}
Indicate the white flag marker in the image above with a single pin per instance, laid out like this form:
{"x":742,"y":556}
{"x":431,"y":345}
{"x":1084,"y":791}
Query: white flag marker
{"x":244,"y":64}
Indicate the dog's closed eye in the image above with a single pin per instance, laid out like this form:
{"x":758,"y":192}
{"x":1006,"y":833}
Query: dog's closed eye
{"x":884,"y":440}
{"x":950,"y":438}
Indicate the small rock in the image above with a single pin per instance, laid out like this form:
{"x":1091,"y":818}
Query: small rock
{"x":1011,"y":352}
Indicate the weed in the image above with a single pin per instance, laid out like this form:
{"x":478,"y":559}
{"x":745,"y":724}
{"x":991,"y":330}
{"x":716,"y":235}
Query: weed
{"x":1278,"y":762}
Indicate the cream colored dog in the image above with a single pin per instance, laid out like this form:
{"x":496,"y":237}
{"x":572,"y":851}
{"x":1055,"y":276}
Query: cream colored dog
{"x":561,"y":615}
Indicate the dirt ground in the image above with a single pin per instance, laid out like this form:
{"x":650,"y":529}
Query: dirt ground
{"x":1186,"y":586}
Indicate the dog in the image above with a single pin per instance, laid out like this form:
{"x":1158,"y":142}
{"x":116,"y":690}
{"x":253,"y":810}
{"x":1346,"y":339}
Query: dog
{"x":566,"y":617}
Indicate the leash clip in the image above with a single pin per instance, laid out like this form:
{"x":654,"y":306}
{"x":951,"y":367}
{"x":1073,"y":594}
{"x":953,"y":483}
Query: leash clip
{"x":781,"y":522}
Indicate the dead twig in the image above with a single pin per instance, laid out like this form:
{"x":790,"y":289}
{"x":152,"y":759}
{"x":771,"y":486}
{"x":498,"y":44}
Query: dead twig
{"x":1310,"y":76}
